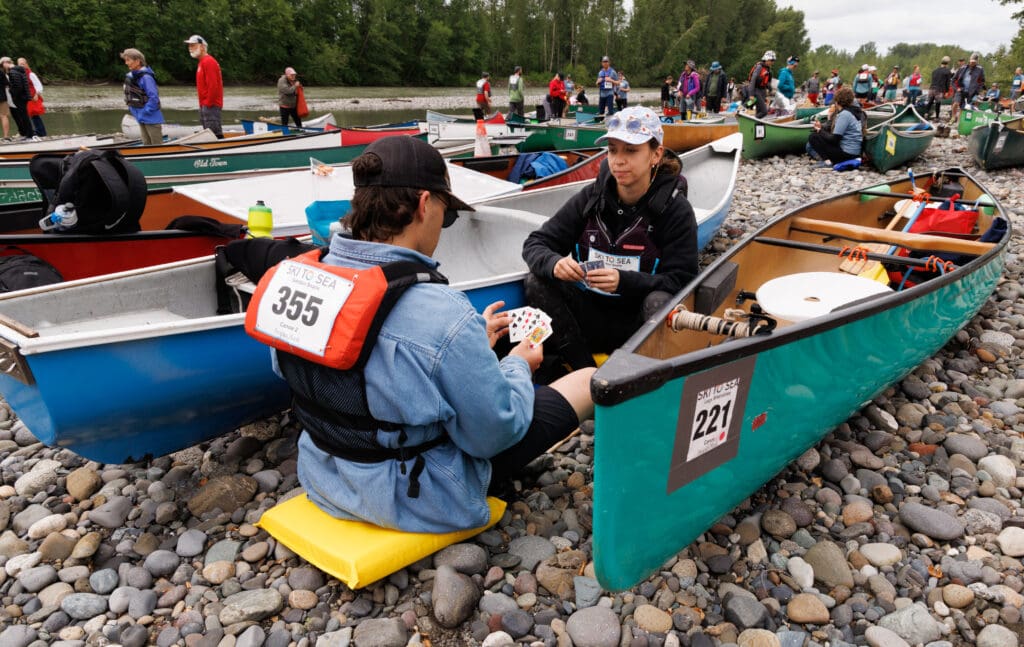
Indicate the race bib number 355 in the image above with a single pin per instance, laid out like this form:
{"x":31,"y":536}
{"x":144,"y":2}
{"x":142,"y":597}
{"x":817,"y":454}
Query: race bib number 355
{"x":300,"y":305}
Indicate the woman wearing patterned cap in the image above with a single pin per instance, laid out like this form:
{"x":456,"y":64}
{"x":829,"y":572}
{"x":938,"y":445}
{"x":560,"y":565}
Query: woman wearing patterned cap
{"x":288,"y":97}
{"x":619,"y":249}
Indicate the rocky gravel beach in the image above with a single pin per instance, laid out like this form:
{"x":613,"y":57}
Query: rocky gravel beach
{"x":903,"y":527}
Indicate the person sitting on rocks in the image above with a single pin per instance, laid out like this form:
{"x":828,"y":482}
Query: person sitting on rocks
{"x":846,"y":137}
{"x":412,"y":438}
{"x":619,"y":249}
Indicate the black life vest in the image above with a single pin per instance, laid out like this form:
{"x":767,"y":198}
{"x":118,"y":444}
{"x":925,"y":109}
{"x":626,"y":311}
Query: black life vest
{"x":134,"y":94}
{"x":636,"y":240}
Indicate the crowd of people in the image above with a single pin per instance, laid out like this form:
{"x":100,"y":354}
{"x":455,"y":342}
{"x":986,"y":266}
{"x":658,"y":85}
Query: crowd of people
{"x":21,"y":99}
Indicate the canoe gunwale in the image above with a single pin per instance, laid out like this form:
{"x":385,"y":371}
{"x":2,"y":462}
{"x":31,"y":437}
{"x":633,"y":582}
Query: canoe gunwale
{"x":627,"y":374}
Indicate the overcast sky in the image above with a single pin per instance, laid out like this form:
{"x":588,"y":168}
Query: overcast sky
{"x":981,"y":25}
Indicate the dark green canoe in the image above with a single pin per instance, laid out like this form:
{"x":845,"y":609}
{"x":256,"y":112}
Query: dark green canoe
{"x":547,"y":137}
{"x":998,"y":144}
{"x":762,"y":138}
{"x":898,"y":140}
{"x":689,"y":422}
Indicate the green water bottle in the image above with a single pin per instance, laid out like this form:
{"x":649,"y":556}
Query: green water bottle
{"x":261,"y":220}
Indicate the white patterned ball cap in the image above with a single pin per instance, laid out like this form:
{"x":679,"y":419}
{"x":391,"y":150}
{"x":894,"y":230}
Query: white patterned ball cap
{"x":634,"y":126}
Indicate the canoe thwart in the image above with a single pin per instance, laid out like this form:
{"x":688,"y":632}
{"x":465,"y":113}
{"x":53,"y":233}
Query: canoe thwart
{"x":843,"y":252}
{"x":920,"y":242}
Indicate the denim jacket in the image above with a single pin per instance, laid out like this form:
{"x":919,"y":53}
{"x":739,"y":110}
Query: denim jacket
{"x":432,"y":371}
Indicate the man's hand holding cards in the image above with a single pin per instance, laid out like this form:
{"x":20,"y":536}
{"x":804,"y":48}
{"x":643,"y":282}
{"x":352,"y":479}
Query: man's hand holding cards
{"x":529,"y":323}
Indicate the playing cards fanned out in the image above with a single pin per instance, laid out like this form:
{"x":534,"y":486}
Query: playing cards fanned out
{"x":529,"y":323}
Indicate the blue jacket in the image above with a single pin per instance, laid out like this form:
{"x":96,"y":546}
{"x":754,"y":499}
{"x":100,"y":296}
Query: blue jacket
{"x":787,"y":86}
{"x":149,"y":113}
{"x":433,"y":371}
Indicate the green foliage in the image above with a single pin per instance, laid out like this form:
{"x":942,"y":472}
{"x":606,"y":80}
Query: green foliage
{"x":437,"y":42}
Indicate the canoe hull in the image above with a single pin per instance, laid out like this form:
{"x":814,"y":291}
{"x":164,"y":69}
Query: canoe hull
{"x":683,"y":136}
{"x":971,"y":119}
{"x":786,"y":391}
{"x":998,"y":145}
{"x":763,"y":138}
{"x":547,"y":138}
{"x":891,"y":144}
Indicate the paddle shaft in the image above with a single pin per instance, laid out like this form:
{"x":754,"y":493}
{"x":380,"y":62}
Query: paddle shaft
{"x":829,"y":249}
{"x":920,"y":242}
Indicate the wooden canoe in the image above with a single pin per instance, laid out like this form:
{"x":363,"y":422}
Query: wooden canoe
{"x":688,"y":426}
{"x":687,"y":135}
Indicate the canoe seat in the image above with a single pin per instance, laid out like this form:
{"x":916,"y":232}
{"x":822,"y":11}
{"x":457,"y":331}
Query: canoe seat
{"x":355,"y":552}
{"x":120,"y":320}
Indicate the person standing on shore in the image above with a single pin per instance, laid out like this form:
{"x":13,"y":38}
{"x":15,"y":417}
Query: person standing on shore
{"x":209,"y":85}
{"x":516,"y":98}
{"x":35,"y":99}
{"x":607,"y":80}
{"x":288,"y":97}
{"x":142,"y":96}
{"x":483,"y":93}
{"x":939,"y":87}
{"x":5,"y":106}
{"x":19,"y":96}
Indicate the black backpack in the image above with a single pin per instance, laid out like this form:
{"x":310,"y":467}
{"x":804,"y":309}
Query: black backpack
{"x":24,"y":270}
{"x":109,"y":193}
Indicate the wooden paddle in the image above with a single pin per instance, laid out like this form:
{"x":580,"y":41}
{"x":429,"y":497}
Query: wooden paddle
{"x":858,"y":265}
{"x":919,"y":242}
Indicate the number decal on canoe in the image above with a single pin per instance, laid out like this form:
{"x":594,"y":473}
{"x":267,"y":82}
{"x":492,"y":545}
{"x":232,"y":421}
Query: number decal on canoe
{"x":710,"y":417}
{"x":1000,"y":142}
{"x":758,"y":131}
{"x":890,"y":142}
{"x":570,"y":134}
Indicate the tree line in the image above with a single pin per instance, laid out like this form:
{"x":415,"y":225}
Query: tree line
{"x":418,"y":43}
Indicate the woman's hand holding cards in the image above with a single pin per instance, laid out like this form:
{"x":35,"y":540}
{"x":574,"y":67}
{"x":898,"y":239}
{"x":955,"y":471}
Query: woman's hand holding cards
{"x":567,"y":269}
{"x":605,"y":279}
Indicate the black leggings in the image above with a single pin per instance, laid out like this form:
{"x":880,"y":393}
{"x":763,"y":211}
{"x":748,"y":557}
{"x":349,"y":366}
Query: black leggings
{"x":553,"y":420}
{"x":584,"y":322}
{"x":290,"y":112}
{"x":829,"y":150}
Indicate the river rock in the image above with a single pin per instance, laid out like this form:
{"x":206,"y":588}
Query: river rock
{"x":881,"y":555}
{"x":913,"y":623}
{"x":251,"y":605}
{"x":882,"y":637}
{"x":454,"y":596}
{"x":806,"y":608}
{"x":997,"y":636}
{"x":226,"y":493}
{"x":594,"y":627}
{"x":1011,"y":541}
{"x":829,"y":564}
{"x":1000,"y":468}
{"x":381,"y":632}
{"x":931,"y":522}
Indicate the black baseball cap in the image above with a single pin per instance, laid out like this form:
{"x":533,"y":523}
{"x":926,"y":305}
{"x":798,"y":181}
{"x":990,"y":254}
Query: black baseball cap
{"x":409,"y":162}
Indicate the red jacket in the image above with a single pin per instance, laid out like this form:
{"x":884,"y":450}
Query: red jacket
{"x":209,"y":83}
{"x":557,"y":88}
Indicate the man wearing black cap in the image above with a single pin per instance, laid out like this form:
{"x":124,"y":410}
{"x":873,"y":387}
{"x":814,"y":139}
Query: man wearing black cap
{"x":939,"y":87}
{"x":413,"y":438}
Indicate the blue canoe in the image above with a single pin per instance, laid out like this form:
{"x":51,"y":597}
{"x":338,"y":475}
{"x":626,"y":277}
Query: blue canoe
{"x":125,"y":366}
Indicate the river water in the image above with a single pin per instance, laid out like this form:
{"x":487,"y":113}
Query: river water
{"x":98,"y":109}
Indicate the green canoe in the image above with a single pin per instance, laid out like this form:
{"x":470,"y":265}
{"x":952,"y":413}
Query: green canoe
{"x":971,"y":119}
{"x":998,"y":144}
{"x":186,"y":167}
{"x":762,"y":138}
{"x":898,"y":140}
{"x":547,"y":137}
{"x":687,"y":426}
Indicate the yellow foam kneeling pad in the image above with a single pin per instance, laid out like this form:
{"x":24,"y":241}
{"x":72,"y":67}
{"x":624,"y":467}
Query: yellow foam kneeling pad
{"x":356,"y":552}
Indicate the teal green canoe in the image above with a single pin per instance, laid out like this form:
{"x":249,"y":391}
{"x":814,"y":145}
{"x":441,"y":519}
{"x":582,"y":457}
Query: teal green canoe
{"x":899,"y":140}
{"x":190,"y":166}
{"x":998,"y":144}
{"x":971,"y":119}
{"x":690,"y":422}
